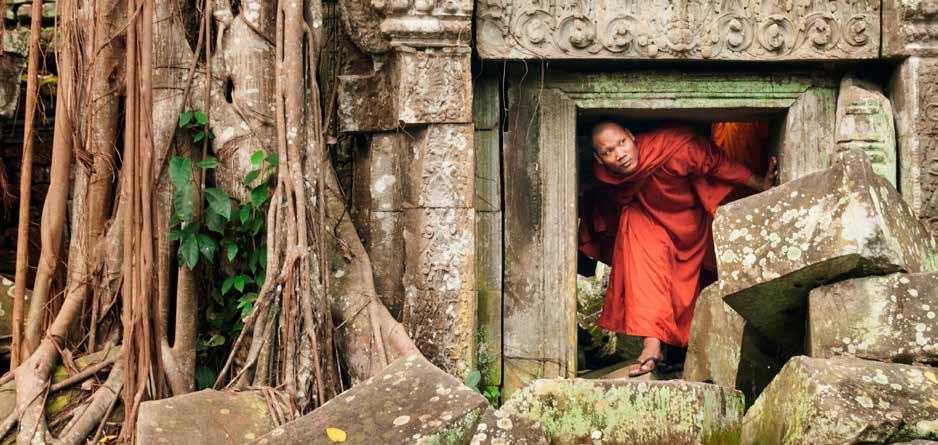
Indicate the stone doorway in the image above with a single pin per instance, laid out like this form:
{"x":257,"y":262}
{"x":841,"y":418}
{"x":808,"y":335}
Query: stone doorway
{"x":540,"y":183}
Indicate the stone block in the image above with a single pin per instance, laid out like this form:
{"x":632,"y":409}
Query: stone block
{"x":488,"y":174}
{"x":378,"y":174}
{"x":910,"y":27}
{"x":417,"y":87}
{"x":805,"y":149}
{"x":888,"y":319}
{"x":844,"y":222}
{"x":913,"y":91}
{"x":439,"y":285}
{"x":486,"y":99}
{"x":865,"y":121}
{"x":383,"y":238}
{"x":11,"y":68}
{"x":488,"y":258}
{"x":725,"y":351}
{"x":844,"y":401}
{"x":497,"y":427}
{"x":204,"y":417}
{"x":574,"y":411}
{"x":440,"y":168}
{"x":411,"y":401}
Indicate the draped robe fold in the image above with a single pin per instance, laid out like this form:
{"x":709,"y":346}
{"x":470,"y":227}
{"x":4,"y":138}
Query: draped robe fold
{"x":653,"y":228}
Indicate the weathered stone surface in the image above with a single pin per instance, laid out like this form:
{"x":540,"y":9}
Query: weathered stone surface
{"x":422,"y":87}
{"x":890,"y":319}
{"x":918,"y":442}
{"x":725,"y":351}
{"x":865,"y":121}
{"x":488,"y":257}
{"x":806,"y":144}
{"x":488,"y":174}
{"x":383,"y":238}
{"x":11,"y":68}
{"x":844,"y":401}
{"x":419,"y":24}
{"x":439,"y":285}
{"x":574,"y":411}
{"x":774,"y":247}
{"x":440,"y":168}
{"x":497,"y":427}
{"x":913,"y":91}
{"x":204,"y":417}
{"x":486,"y":99}
{"x":411,"y":401}
{"x":378,"y":174}
{"x":690,"y":29}
{"x":910,"y":27}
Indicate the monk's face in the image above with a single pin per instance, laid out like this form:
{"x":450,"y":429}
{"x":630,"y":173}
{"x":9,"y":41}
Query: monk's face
{"x":615,"y":148}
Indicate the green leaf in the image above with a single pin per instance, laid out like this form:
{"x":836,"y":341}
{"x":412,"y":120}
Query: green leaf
{"x":239,"y":282}
{"x":219,"y":202}
{"x":473,"y":379}
{"x":189,"y":251}
{"x":273,"y":158}
{"x":209,"y":162}
{"x":257,"y":158}
{"x":180,"y":175}
{"x":256,"y":226}
{"x":262,"y":255}
{"x":251,"y":177}
{"x":259,"y":195}
{"x":232,"y":251}
{"x":200,"y":117}
{"x":180,"y":171}
{"x":204,"y":377}
{"x":198,"y":136}
{"x":216,"y":340}
{"x":174,"y":234}
{"x":184,"y":119}
{"x":245,"y":213}
{"x":226,"y":285}
{"x":214,"y":221}
{"x":207,"y":246}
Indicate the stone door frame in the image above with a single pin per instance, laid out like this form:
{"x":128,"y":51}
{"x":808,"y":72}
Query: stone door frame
{"x":539,"y":319}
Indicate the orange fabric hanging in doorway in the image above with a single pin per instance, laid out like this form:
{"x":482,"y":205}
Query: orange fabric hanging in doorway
{"x":744,"y":142}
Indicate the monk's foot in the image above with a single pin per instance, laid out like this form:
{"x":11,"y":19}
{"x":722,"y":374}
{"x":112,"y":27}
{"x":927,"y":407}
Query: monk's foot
{"x":649,"y":358}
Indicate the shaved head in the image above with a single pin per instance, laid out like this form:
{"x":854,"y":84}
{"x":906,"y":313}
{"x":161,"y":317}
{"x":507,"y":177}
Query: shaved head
{"x":614,"y":147}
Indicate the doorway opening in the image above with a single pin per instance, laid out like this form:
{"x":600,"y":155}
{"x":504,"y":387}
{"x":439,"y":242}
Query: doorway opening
{"x":750,"y":136}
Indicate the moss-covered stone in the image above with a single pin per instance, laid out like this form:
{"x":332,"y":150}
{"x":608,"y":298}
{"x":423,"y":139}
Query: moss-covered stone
{"x":204,"y":417}
{"x":673,"y":412}
{"x":497,"y":427}
{"x":845,"y":401}
{"x":844,"y":222}
{"x":411,"y":401}
{"x":891,"y":318}
{"x":725,"y":351}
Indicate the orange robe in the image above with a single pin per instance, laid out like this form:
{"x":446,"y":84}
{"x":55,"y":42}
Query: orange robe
{"x":657,"y":222}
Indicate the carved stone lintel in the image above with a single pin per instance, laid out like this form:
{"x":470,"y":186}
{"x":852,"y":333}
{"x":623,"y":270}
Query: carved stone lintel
{"x":678,"y":29}
{"x":910,"y":28}
{"x":412,"y":87}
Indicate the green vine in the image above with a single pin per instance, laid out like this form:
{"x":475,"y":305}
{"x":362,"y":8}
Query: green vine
{"x":230,"y":236}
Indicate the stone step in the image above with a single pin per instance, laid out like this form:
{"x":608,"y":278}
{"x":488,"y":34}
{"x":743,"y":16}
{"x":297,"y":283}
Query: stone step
{"x":845,"y":401}
{"x":840,"y":223}
{"x":575,"y":411}
{"x":411,"y":401}
{"x":725,"y":350}
{"x":497,"y":427}
{"x":889,"y":319}
{"x":204,"y":417}
{"x":621,"y":371}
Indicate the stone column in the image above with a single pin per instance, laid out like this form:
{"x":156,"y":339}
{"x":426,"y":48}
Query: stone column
{"x":910,"y":34}
{"x":422,"y":93}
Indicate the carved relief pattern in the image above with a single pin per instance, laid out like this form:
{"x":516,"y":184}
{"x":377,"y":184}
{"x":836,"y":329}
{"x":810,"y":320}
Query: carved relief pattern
{"x":442,"y":168}
{"x":926,"y":126}
{"x":708,"y":29}
{"x":435,"y":88}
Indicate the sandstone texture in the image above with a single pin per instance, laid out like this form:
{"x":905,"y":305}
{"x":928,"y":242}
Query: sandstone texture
{"x":845,"y":401}
{"x":497,"y":427}
{"x":204,"y":417}
{"x":890,"y":319}
{"x":576,"y":411}
{"x":844,"y":222}
{"x":411,"y":402}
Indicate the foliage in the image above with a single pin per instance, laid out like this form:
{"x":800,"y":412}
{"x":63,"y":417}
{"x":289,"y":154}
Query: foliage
{"x":476,"y":379}
{"x":230,"y":236}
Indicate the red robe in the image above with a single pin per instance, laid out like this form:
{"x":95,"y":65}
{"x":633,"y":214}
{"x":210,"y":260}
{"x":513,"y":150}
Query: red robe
{"x":657,"y":223}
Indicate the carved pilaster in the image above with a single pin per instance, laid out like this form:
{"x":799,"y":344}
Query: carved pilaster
{"x":910,"y":27}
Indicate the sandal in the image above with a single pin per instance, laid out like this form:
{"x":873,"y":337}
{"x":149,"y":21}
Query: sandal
{"x":641,"y":366}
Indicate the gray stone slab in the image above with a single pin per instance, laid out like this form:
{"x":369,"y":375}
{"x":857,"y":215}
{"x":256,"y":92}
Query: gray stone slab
{"x":204,"y":417}
{"x":411,"y":401}
{"x":889,"y":319}
{"x":725,"y":351}
{"x":575,"y":411}
{"x":497,"y":427}
{"x":845,"y":401}
{"x":844,"y":222}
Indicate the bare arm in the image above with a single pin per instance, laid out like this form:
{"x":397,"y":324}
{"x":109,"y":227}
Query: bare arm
{"x":761,"y":184}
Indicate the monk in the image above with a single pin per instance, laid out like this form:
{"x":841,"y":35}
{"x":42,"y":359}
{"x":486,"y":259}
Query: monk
{"x":649,"y":218}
